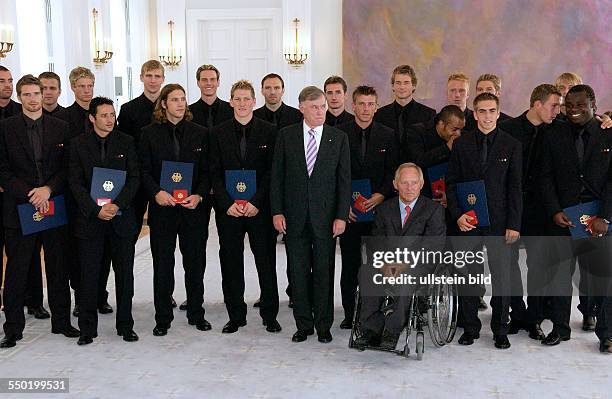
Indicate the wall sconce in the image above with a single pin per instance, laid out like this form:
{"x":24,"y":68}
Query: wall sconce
{"x":296,"y":55}
{"x":102,"y":54}
{"x":169,"y":55}
{"x":6,"y":40}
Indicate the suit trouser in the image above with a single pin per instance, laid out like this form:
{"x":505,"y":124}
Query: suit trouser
{"x":19,"y":251}
{"x":93,"y":253}
{"x":350,"y":249}
{"x":192,"y":246}
{"x":231,"y":241}
{"x":312,"y":273}
{"x":603,"y":328}
{"x":498,"y":254}
{"x":34,"y":286}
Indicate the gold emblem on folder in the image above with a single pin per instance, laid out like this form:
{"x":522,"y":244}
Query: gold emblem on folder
{"x":471,"y":199}
{"x":37,"y":217}
{"x":241,"y":187}
{"x":177,"y":177}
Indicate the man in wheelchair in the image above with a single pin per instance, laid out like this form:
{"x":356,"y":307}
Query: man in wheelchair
{"x":420,"y":221}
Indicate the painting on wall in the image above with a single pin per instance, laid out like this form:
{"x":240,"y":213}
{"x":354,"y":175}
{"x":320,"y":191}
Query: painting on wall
{"x":524,"y":42}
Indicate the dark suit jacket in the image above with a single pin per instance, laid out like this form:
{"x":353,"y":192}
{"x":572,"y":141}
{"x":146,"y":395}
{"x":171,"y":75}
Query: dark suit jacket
{"x":470,"y":122}
{"x":225,"y":155}
{"x":502,"y":178}
{"x":288,"y":115}
{"x":223,"y":112}
{"x":18,"y":173}
{"x":564,"y":182}
{"x":12,"y":108}
{"x":135,"y":115}
{"x":381,"y":158}
{"x":120,"y":155}
{"x":414,"y":112}
{"x":337,"y":121}
{"x":320,"y":198}
{"x":156,"y":146}
{"x":78,"y":119}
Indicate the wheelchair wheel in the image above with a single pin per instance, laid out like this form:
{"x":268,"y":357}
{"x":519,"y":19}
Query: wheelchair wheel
{"x":356,"y":330}
{"x":442,"y":312}
{"x":420,"y":345}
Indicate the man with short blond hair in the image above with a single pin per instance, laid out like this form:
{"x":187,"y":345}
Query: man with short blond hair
{"x":490,"y":83}
{"x":457,"y":93}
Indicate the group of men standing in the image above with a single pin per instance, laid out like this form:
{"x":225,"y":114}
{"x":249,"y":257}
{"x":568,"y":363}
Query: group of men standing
{"x":304,"y":161}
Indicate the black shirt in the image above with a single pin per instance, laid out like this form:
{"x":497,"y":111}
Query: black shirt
{"x":480,"y":137}
{"x":57,"y":109}
{"x":219,"y":110}
{"x":135,"y":115}
{"x":284,"y":116}
{"x":12,"y":108}
{"x":239,"y":127}
{"x":34,"y":131}
{"x":78,"y":119}
{"x":344,"y":117}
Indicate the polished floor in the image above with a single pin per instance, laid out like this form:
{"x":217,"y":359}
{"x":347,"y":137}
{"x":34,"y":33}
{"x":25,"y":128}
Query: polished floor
{"x":255,"y":364}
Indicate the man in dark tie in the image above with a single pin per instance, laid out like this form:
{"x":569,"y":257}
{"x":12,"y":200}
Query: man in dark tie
{"x":457,"y":93}
{"x":52,"y":89}
{"x":490,"y":83}
{"x":576,"y":168}
{"x":32,"y":170}
{"x":374,"y":156}
{"x":410,"y":215}
{"x":310,"y":196}
{"x":404,"y":111}
{"x":274,"y":109}
{"x":335,"y":92}
{"x":493,"y":156}
{"x":173,"y":137}
{"x":245,"y":143}
{"x":104,"y":228}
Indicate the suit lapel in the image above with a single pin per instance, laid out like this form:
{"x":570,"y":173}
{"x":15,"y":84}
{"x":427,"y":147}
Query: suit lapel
{"x":94,"y":149}
{"x":593,"y":143}
{"x":324,"y":148}
{"x":25,"y":141}
{"x":396,"y":218}
{"x":298,"y":142}
{"x":494,"y":151}
{"x":252,"y":142}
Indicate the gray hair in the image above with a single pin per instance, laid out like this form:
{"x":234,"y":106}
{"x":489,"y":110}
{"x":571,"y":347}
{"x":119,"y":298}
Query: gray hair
{"x":409,"y":165}
{"x":310,"y":93}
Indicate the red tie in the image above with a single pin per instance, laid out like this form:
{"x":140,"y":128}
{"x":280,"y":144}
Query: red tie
{"x":407,"y":215}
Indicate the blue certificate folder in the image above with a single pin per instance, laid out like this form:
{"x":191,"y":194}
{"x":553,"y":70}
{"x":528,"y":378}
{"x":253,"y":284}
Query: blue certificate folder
{"x":32,"y":222}
{"x":106,"y":184}
{"x":176,"y":176}
{"x":361,"y":187}
{"x":437,"y":179}
{"x":473,"y":196}
{"x":241,"y":184}
{"x":580,"y":215}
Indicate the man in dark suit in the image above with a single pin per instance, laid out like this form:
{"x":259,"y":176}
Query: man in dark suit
{"x":404,"y":111}
{"x":104,"y":228}
{"x":576,"y":168}
{"x":32,"y":169}
{"x":410,"y":214}
{"x":457,"y":93}
{"x":310,"y":197}
{"x":335,"y":92}
{"x":374,"y":156}
{"x":245,"y":143}
{"x":52,"y":89}
{"x":173,"y":137}
{"x":528,"y":128}
{"x":491,"y":155}
{"x":274,"y":109}
{"x":430,"y":144}
{"x":490,"y":83}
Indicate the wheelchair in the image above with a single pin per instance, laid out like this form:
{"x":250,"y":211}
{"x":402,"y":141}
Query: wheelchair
{"x":432,"y":307}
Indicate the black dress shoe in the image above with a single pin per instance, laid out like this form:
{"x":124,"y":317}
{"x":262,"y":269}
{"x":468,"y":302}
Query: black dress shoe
{"x":515,"y":326}
{"x":105,"y":308}
{"x":232,"y":326}
{"x":202,"y":325}
{"x":160,"y":330}
{"x":290,"y":305}
{"x":302,"y":335}
{"x":324,"y":337}
{"x":183,"y":306}
{"x":554,"y":338}
{"x":173,"y":302}
{"x":10,"y":341}
{"x":501,"y":341}
{"x":482,"y":305}
{"x":84,"y":340}
{"x":588,"y":323}
{"x":257,"y":303}
{"x":605,"y":345}
{"x":128,"y":336}
{"x":39,"y":312}
{"x":467,"y":338}
{"x":76,"y":311}
{"x":69,"y":332}
{"x":368,"y":338}
{"x":346,"y":324}
{"x":273,"y":326}
{"x":535,"y":332}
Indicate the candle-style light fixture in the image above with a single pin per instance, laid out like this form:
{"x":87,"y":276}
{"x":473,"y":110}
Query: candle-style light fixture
{"x":6,"y":40}
{"x":296,"y":55}
{"x":102,"y":53}
{"x":170,"y":57}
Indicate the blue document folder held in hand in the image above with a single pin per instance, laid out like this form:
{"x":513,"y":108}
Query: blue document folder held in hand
{"x":176,"y":179}
{"x":106,"y":184}
{"x":472,"y":196}
{"x":32,"y":221}
{"x":362,"y":191}
{"x":581,"y":215}
{"x":241,"y":185}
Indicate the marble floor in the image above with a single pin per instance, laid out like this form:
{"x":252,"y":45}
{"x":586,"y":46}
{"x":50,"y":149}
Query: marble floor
{"x":252,"y":363}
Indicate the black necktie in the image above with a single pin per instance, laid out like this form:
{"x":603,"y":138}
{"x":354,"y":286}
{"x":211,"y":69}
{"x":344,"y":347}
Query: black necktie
{"x":36,"y":142}
{"x":485,"y":150}
{"x":363,"y":145}
{"x":400,"y":126}
{"x":209,"y":121}
{"x":102,"y":150}
{"x":580,"y":145}
{"x":243,"y":143}
{"x":177,"y":144}
{"x":274,"y":121}
{"x":531,"y":154}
